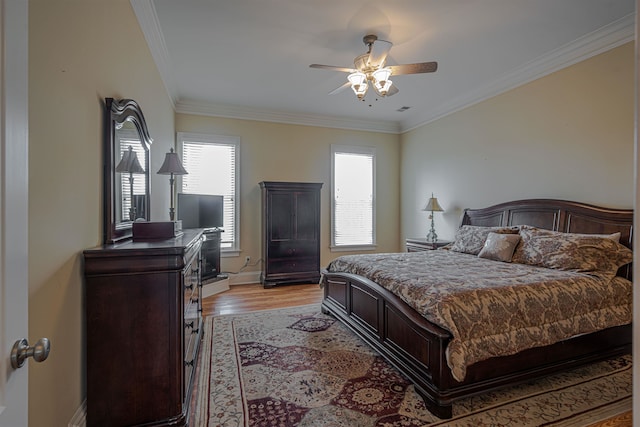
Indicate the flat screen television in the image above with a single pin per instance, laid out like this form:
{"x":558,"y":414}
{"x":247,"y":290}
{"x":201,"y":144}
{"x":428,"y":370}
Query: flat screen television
{"x":200,"y":210}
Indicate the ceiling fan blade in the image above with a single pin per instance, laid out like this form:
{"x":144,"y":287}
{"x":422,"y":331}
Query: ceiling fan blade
{"x":393,"y":90}
{"x":333,"y":68}
{"x":420,"y":67}
{"x":340,"y":88}
{"x":379,"y":51}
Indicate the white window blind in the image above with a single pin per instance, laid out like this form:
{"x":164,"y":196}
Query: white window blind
{"x":353,"y":192}
{"x":131,"y":139}
{"x":211,"y":163}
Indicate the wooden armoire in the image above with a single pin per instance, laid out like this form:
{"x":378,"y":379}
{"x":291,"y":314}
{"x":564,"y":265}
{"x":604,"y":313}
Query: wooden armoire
{"x":290,"y":232}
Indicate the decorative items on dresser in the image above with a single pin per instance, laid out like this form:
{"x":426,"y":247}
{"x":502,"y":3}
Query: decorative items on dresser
{"x":143,"y":326}
{"x":415,"y":244}
{"x":172,"y":166}
{"x":290,"y":232}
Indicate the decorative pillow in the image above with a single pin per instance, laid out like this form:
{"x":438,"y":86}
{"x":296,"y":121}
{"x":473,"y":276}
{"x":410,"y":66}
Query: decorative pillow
{"x":499,"y":247}
{"x":520,"y":255}
{"x":587,"y":253}
{"x":470,"y":238}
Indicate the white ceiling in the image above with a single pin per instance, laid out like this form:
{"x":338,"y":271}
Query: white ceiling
{"x":250,"y":58}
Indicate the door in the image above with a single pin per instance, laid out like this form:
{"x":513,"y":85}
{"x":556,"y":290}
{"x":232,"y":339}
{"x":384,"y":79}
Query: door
{"x":14,"y":290}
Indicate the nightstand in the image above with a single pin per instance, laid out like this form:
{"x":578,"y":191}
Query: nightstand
{"x":415,"y":244}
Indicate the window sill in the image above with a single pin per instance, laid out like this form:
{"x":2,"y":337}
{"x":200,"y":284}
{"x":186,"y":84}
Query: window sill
{"x":353,"y":248}
{"x":229,"y":252}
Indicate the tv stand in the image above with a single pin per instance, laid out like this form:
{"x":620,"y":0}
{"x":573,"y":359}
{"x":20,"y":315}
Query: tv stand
{"x":210,"y":253}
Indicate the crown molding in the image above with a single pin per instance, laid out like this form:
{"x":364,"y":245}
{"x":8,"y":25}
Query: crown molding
{"x":148,"y":20}
{"x":150,"y":26}
{"x":599,"y":41}
{"x":606,"y":38}
{"x":265,"y":115}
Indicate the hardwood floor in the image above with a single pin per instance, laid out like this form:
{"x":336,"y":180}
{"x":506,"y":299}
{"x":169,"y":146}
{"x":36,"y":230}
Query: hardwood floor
{"x":247,"y":298}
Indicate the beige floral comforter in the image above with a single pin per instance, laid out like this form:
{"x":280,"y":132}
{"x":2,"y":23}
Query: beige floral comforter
{"x":494,"y":308}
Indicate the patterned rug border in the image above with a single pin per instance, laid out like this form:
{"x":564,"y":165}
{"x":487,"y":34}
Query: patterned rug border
{"x":203,"y":383}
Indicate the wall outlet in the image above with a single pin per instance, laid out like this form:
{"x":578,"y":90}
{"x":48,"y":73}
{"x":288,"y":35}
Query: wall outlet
{"x":247,"y":259}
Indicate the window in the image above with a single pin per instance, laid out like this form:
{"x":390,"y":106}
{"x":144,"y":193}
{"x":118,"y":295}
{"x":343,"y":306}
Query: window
{"x":212,"y":163}
{"x":353,"y":197}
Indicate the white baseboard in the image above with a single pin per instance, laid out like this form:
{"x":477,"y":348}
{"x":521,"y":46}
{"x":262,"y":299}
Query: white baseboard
{"x":245,"y":278}
{"x":213,"y":288}
{"x":79,"y":419}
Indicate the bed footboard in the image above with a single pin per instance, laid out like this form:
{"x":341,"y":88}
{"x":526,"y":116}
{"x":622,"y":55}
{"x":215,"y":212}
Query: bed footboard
{"x":416,"y":347}
{"x":407,"y":340}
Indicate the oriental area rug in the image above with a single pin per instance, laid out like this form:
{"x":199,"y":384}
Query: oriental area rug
{"x":299,"y":367}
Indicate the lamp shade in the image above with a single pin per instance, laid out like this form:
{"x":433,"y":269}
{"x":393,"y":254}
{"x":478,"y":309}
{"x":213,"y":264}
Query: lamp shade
{"x":433,"y":205}
{"x":381,"y":80}
{"x":358,"y":83}
{"x":129,"y":162}
{"x":172,"y":165}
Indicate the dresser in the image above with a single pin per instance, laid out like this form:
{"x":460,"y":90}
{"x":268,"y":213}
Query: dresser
{"x":290,"y":232}
{"x":143,"y":327}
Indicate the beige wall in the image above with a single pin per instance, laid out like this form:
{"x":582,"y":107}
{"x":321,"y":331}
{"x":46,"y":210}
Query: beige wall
{"x":281,"y":152}
{"x":79,"y":53}
{"x":569,"y":135}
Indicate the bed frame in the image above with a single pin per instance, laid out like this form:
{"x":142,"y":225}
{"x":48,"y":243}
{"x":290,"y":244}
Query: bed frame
{"x":416,"y":347}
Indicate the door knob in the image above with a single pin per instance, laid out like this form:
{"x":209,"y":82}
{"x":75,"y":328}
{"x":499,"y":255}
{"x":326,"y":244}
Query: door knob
{"x":21,"y":351}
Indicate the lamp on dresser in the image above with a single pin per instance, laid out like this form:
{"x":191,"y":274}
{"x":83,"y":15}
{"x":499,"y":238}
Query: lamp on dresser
{"x":172,"y":166}
{"x":432,"y":206}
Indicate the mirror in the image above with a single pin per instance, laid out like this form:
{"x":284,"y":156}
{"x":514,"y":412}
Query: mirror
{"x":126,"y":168}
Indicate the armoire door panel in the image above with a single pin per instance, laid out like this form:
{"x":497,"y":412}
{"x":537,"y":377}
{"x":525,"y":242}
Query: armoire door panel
{"x":280,"y":213}
{"x":306,"y":216}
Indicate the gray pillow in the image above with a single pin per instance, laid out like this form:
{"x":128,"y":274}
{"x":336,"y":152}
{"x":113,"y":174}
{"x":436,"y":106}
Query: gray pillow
{"x":499,"y":247}
{"x":470,"y":238}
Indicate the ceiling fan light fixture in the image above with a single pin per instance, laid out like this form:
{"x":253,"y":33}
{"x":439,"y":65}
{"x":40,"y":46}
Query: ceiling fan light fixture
{"x":384,"y":88}
{"x":381,"y":75}
{"x":370,"y":67}
{"x":381,"y":80}
{"x":358,"y":84}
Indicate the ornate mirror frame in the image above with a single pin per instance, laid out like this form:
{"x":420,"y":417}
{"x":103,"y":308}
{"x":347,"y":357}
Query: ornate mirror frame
{"x":124,"y":120}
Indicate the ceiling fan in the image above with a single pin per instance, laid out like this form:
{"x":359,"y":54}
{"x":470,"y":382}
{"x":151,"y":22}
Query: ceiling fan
{"x":370,"y":67}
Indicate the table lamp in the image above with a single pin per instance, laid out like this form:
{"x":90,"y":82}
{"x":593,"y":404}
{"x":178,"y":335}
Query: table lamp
{"x":432,"y":206}
{"x":172,"y":166}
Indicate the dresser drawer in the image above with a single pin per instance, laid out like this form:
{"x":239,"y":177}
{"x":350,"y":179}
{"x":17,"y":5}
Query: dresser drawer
{"x":191,"y":338}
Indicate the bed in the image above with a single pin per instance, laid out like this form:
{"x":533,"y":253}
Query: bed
{"x":423,"y":348}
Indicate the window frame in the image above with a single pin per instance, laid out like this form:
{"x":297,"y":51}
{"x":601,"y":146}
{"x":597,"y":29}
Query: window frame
{"x":234,"y":141}
{"x":353,"y":149}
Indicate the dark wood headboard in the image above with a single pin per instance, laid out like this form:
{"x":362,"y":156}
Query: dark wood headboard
{"x":558,"y":215}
